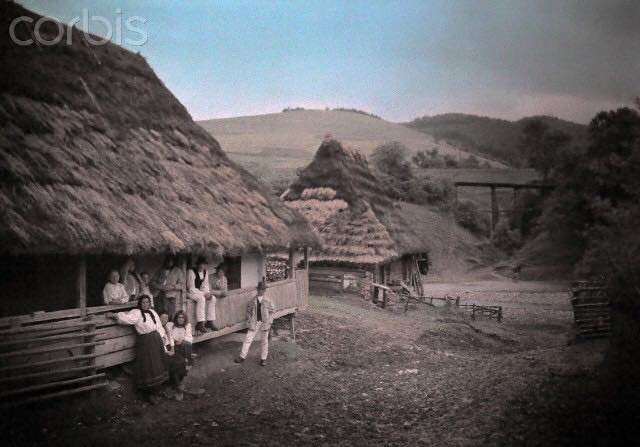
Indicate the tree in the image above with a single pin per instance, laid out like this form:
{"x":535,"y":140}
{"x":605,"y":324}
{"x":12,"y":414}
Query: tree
{"x":541,"y":146}
{"x":597,"y":199}
{"x":392,"y":159}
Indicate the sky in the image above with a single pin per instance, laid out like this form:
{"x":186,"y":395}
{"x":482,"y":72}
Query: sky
{"x":397,"y":59}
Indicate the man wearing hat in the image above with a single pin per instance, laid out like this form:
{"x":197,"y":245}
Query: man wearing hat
{"x":199,"y":291}
{"x":259,"y":316}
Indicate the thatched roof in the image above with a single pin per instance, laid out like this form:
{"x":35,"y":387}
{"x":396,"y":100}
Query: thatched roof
{"x":97,"y":155}
{"x":355,"y":217}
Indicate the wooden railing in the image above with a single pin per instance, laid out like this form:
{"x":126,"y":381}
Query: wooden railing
{"x":112,"y":344}
{"x":52,"y":354}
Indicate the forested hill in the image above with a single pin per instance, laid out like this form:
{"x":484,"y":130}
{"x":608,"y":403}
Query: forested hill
{"x":493,"y":137}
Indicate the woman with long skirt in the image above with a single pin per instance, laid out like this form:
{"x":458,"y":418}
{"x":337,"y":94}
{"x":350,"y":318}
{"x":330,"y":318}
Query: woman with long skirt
{"x":151,"y":353}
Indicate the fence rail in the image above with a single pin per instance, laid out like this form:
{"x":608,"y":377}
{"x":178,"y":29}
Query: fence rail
{"x":475,"y":309}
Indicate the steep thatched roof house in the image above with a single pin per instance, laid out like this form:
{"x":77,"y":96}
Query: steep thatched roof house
{"x":359,"y":223}
{"x":99,"y":161}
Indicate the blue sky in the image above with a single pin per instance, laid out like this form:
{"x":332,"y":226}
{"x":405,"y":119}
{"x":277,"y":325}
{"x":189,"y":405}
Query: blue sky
{"x":397,"y":59}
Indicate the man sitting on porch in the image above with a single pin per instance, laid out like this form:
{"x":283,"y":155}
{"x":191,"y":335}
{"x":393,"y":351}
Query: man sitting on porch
{"x":199,"y":291}
{"x":114,"y":291}
{"x":167,"y":285}
{"x":219,"y":283}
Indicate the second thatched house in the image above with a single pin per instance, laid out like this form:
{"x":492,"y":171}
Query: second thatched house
{"x":363,"y":230}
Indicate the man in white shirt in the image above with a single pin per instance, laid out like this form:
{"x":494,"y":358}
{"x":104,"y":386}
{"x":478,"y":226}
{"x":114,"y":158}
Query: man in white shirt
{"x":259,"y":318}
{"x":114,"y":291}
{"x":130,"y":279}
{"x":167,"y":286}
{"x":198,"y":290}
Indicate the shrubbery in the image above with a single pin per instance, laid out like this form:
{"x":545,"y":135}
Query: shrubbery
{"x":468,"y":216}
{"x":506,"y":239}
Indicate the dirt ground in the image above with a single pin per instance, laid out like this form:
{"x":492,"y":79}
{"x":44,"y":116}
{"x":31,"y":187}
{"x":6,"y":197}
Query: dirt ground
{"x":360,"y":375}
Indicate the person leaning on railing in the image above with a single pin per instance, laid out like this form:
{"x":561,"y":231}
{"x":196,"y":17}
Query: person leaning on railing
{"x":151,"y":352}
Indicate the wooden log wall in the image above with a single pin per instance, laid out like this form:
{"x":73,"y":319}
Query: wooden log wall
{"x":336,"y":280}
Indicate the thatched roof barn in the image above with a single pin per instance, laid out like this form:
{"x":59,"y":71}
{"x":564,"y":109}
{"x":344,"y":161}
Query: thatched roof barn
{"x":357,"y":220}
{"x":362,"y":227}
{"x":97,"y":156}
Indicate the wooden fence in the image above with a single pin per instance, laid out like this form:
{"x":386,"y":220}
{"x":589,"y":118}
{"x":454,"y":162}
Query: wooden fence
{"x":475,"y":309}
{"x":50,"y":354}
{"x":591,"y":309}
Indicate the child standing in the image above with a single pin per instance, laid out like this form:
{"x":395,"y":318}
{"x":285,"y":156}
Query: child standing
{"x":179,"y":331}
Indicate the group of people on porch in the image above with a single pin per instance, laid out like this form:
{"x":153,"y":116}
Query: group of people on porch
{"x":164,"y":334}
{"x":166,"y":286}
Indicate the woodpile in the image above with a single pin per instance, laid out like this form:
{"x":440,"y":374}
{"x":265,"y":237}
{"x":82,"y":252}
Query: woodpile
{"x":591,"y":309}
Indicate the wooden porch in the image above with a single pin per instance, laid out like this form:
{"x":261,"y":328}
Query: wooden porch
{"x":51,"y":354}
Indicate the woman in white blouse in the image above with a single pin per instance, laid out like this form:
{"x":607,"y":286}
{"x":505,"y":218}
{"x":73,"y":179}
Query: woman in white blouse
{"x":151,"y":367}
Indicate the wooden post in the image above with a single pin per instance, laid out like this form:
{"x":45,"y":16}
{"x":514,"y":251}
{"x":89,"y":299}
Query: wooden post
{"x":182,"y":305}
{"x":494,"y":209}
{"x":81,"y":285}
{"x":293,"y":327}
{"x":306,"y":258}
{"x":290,"y":263}
{"x":455,"y":197}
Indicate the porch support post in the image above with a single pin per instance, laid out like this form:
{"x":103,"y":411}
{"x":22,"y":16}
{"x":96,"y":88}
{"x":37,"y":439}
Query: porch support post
{"x":290,"y":263}
{"x":182,"y":305}
{"x":81,"y":284}
{"x":293,"y":327}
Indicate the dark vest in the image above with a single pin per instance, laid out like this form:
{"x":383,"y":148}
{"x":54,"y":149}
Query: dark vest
{"x":199,"y":281}
{"x":258,"y":310}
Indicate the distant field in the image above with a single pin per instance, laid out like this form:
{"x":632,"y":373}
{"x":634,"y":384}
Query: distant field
{"x":273,"y":146}
{"x":276,"y":171}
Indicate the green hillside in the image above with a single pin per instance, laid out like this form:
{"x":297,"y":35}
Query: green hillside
{"x":274,"y":146}
{"x":492,"y":137}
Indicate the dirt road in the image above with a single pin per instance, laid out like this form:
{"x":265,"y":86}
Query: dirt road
{"x":359,"y":375}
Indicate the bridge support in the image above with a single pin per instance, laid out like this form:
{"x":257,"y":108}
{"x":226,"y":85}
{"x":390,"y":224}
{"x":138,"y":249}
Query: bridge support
{"x":495,"y":212}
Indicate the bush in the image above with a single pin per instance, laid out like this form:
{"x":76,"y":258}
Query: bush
{"x":468,"y":216}
{"x":392,"y":159}
{"x":506,"y":239}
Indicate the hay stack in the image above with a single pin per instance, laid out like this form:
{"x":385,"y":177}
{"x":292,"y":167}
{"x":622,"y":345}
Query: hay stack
{"x":96,"y":155}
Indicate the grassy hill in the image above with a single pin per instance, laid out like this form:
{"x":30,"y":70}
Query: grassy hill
{"x":492,"y":137}
{"x":273,"y":146}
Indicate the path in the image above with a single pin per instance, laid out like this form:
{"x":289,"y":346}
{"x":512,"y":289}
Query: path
{"x":359,"y":375}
